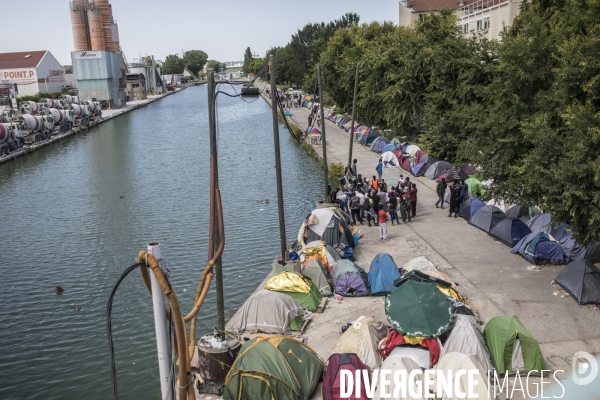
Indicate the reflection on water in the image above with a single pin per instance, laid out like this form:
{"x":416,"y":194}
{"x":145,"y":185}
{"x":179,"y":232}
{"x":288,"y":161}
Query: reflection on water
{"x":77,"y":212}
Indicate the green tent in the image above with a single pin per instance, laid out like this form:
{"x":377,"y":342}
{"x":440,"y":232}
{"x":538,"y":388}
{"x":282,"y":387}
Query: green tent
{"x":273,"y":368}
{"x":475,"y":187}
{"x":508,"y":340}
{"x":300,"y":287}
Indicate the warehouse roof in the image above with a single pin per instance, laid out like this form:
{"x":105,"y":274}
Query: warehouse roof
{"x":22,"y":59}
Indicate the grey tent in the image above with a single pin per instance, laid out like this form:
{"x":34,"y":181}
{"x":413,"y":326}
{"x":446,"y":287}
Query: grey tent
{"x":572,"y":248}
{"x":466,"y":338}
{"x":436,"y":169}
{"x":509,"y":231}
{"x":581,"y":279}
{"x":427,"y":158}
{"x":327,"y":225}
{"x":540,"y":223}
{"x":319,"y":275}
{"x":486,"y":218}
{"x":266,"y":311}
{"x":523,"y":213}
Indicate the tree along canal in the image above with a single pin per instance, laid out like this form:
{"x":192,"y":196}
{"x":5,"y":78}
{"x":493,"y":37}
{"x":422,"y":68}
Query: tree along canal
{"x":77,"y":212}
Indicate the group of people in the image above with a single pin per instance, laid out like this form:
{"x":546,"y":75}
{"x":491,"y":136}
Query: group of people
{"x":359,"y":196}
{"x":458,"y":192}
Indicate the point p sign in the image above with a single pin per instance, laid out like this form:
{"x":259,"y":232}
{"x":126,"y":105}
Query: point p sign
{"x":584,"y":368}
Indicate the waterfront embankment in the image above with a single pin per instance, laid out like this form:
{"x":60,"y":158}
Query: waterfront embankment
{"x":494,"y":281}
{"x":106,"y":116}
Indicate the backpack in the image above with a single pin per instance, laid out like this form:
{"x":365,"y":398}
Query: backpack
{"x":354,"y":202}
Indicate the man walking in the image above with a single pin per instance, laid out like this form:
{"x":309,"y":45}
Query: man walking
{"x":382,"y":225}
{"x":355,"y":209}
{"x":441,"y":191}
{"x":379,"y":169}
{"x":413,"y":199}
{"x":353,"y":168}
{"x":393,"y":195}
{"x":455,"y":199}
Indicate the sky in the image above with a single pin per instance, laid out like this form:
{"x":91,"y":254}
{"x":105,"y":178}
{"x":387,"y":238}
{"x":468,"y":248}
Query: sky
{"x":223,"y":29}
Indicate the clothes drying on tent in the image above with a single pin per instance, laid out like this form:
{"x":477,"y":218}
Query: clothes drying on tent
{"x":350,"y":280}
{"x":382,"y":274}
{"x":509,"y":342}
{"x":419,"y":169}
{"x":581,"y":279}
{"x":299,"y":287}
{"x":475,"y":187}
{"x":396,"y":365}
{"x":540,"y":223}
{"x":318,"y":273}
{"x":437,"y":168}
{"x":469,"y":207}
{"x":486,"y":218}
{"x":509,"y":231}
{"x":540,"y":248}
{"x":379,"y":143}
{"x":327,"y":225}
{"x":292,"y":372}
{"x":419,"y":264}
{"x":389,"y":159}
{"x":477,"y":382}
{"x":267,"y":312}
{"x":362,"y":339}
{"x":466,"y":338}
{"x":333,"y":375}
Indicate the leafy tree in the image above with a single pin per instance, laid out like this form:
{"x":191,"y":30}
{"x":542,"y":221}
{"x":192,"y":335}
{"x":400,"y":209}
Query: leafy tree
{"x":215,"y":65}
{"x":173,"y":65}
{"x":195,"y":60}
{"x":248,"y":61}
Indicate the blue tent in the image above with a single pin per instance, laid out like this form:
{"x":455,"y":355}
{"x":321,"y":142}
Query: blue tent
{"x":382,"y":274}
{"x":574,"y":250}
{"x":540,"y":248}
{"x":419,"y":169}
{"x":368,"y":137}
{"x":388,"y":147}
{"x":379,"y":143}
{"x":510,"y":230}
{"x":469,"y":207}
{"x":404,"y":146}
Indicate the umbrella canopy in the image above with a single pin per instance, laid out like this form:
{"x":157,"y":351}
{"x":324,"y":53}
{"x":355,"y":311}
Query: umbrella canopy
{"x":418,"y":309}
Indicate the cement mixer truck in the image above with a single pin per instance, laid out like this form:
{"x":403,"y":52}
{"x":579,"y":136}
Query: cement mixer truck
{"x":62,"y":120}
{"x":36,"y":127}
{"x":11,"y":137}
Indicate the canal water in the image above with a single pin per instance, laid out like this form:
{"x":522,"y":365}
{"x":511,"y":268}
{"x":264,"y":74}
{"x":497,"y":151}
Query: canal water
{"x":77,"y":212}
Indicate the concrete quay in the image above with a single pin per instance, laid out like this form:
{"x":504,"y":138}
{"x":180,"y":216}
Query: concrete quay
{"x":106,"y":115}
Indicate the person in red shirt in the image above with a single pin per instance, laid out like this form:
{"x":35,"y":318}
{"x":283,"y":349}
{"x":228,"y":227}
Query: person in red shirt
{"x":382,"y":224}
{"x":413,"y":199}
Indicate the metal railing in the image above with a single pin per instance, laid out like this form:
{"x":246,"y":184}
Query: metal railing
{"x":479,"y":5}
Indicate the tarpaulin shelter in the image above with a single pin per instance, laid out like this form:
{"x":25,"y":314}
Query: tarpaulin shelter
{"x":486,"y":218}
{"x":379,"y":143}
{"x":318,"y":273}
{"x":509,"y":343}
{"x":292,"y":372}
{"x":298,"y":286}
{"x":466,"y":338}
{"x":469,"y":207}
{"x":418,"y":309}
{"x":382,"y":274}
{"x":436,"y":169}
{"x":394,"y":364}
{"x":362,"y":339}
{"x":540,"y":223}
{"x":332,"y":380}
{"x":350,"y":280}
{"x":509,"y":231}
{"x":326,"y":225}
{"x":540,"y":248}
{"x":267,"y":312}
{"x":581,"y":279}
{"x":419,"y":169}
{"x":388,"y":158}
{"x":475,"y":187}
{"x":419,"y":264}
{"x":467,"y":383}
{"x":368,"y":137}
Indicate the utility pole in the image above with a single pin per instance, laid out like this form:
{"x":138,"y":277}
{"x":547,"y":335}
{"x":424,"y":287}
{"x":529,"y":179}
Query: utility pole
{"x":214,"y":241}
{"x":277,"y":159}
{"x":353,"y":117}
{"x":325,"y":167}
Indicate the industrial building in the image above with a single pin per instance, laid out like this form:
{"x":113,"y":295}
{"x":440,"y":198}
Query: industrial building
{"x":149,"y":68}
{"x":99,"y":67}
{"x":32,"y":72}
{"x":136,"y":87}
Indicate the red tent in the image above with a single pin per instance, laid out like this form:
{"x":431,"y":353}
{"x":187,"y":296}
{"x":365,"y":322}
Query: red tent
{"x":332,"y":379}
{"x":417,"y":156}
{"x":405,"y":162}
